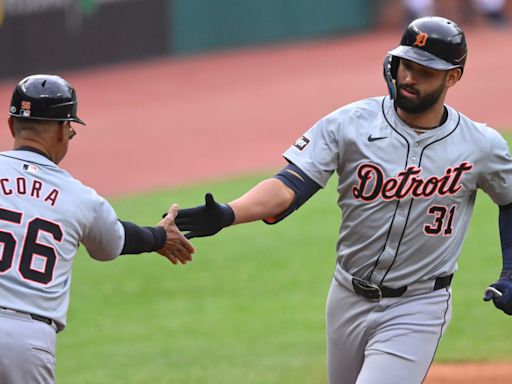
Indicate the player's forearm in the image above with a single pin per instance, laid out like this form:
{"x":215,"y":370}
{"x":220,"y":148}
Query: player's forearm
{"x":267,"y":199}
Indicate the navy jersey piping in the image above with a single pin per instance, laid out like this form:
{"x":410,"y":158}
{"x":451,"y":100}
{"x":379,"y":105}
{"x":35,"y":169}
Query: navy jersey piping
{"x":440,"y":333}
{"x":29,"y":161}
{"x":398,"y":202}
{"x":412,"y":201}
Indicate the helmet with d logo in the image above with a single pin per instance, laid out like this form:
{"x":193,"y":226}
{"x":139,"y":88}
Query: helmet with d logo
{"x":434,"y":42}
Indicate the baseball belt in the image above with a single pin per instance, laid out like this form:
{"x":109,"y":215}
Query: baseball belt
{"x":35,"y":317}
{"x":376,"y":292}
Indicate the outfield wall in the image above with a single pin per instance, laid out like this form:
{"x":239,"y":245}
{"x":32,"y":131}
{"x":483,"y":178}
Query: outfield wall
{"x":204,"y":24}
{"x":52,"y":35}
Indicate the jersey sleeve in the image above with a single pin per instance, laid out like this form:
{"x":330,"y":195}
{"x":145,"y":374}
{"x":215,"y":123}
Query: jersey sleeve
{"x":495,"y":177}
{"x":104,"y":239}
{"x":317,"y":151}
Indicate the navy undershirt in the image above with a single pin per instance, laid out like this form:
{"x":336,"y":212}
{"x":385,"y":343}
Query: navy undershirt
{"x":142,"y":239}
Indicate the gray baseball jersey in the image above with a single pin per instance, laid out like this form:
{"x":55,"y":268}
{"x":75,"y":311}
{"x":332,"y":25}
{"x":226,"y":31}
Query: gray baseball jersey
{"x":44,"y":214}
{"x":406,"y":199}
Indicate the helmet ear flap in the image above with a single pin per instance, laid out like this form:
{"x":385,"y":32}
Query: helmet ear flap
{"x":390,"y":69}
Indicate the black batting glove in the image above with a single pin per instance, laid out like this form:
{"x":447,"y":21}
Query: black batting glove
{"x":205,"y":220}
{"x":501,"y":292}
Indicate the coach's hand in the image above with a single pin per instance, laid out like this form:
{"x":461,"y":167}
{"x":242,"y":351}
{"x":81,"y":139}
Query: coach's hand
{"x":205,"y":220}
{"x":501,"y":292}
{"x":177,"y":248}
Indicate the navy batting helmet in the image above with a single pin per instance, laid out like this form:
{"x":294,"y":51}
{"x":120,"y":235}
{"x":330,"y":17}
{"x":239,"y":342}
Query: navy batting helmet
{"x":432,"y":41}
{"x":45,"y":97}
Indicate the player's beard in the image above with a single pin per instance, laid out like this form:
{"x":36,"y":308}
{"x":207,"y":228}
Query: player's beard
{"x":420,"y":104}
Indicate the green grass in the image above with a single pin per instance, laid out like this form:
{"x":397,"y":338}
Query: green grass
{"x":250,"y":307}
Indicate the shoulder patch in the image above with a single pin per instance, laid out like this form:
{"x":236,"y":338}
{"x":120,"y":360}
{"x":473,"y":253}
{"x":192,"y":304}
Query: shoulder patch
{"x":301,"y":143}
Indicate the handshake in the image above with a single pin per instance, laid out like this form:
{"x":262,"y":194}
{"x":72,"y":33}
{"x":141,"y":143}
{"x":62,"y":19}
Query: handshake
{"x":205,"y":220}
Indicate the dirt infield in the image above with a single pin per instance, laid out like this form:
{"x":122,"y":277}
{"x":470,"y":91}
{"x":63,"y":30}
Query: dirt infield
{"x":168,"y":122}
{"x":466,"y":373}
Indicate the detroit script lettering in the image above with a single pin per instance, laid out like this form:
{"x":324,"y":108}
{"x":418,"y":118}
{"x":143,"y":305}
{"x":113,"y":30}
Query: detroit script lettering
{"x":372,"y":183}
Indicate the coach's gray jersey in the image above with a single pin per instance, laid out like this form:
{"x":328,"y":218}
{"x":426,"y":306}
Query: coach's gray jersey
{"x":44,"y":214}
{"x":406,"y":199}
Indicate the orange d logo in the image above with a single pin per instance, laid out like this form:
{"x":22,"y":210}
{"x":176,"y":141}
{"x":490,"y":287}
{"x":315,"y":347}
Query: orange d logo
{"x":421,"y":40}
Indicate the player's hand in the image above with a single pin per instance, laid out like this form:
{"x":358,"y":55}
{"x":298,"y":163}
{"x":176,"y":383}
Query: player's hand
{"x":205,"y":220}
{"x":501,"y":292}
{"x":177,"y":247}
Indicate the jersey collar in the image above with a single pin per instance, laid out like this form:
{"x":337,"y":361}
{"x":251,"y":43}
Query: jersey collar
{"x":31,"y":155}
{"x":399,"y":125}
{"x":30,"y":149}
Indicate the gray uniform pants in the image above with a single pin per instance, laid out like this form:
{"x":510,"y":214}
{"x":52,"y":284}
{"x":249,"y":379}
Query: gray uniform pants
{"x":392,"y":341}
{"x":27,"y":350}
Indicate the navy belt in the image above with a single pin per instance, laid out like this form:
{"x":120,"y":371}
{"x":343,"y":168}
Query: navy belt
{"x":41,"y":318}
{"x":376,"y":292}
{"x":35,"y":317}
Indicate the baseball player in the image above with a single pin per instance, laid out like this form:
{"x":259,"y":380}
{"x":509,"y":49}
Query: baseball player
{"x":44,"y":215}
{"x":408,"y":168}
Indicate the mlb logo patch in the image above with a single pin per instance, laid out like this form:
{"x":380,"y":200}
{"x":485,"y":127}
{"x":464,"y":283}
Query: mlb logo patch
{"x":301,"y":143}
{"x":30,"y":168}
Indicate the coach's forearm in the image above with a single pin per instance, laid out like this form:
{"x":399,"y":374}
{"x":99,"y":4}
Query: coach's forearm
{"x":267,"y":199}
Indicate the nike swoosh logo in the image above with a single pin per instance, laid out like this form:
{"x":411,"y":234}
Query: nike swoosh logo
{"x":371,"y":139}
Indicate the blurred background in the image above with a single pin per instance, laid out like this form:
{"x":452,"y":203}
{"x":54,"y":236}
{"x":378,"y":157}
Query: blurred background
{"x":55,"y":35}
{"x":183,"y":93}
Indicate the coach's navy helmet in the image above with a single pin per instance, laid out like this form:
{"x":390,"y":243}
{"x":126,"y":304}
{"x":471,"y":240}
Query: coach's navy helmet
{"x":45,"y":97}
